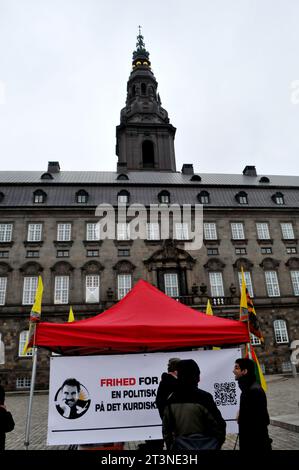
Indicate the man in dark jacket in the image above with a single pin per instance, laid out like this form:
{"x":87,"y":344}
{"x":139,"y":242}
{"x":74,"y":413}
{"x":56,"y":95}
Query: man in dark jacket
{"x":6,"y":420}
{"x":253,"y":419}
{"x":167,"y":385}
{"x":190,"y":410}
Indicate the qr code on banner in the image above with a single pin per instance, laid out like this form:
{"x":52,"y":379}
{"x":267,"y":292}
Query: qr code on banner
{"x":225,"y":393}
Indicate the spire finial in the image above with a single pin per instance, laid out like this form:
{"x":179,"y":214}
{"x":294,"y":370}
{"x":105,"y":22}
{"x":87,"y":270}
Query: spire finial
{"x":140,"y":55}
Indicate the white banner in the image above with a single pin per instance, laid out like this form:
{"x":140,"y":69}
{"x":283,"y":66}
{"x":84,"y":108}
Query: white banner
{"x":95,"y":399}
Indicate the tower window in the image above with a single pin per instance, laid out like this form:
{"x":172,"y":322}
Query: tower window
{"x":143,"y":88}
{"x":133,"y":90}
{"x":148,"y":154}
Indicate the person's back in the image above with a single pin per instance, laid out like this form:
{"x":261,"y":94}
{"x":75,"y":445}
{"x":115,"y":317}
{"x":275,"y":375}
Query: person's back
{"x":191,"y":410}
{"x":6,"y":420}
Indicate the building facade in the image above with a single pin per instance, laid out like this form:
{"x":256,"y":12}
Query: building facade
{"x":48,"y":226}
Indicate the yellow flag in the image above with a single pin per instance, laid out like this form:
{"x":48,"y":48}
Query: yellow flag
{"x":35,"y":314}
{"x":71,"y":315}
{"x":209,"y":311}
{"x":243,"y":299}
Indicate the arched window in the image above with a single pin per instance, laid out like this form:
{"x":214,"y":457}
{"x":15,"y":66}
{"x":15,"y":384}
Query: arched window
{"x":82,"y":196}
{"x":241,"y":197}
{"x":46,"y":176}
{"x":143,"y":88}
{"x":148,"y":154}
{"x":280,"y":331}
{"x":278,"y":198}
{"x":204,"y":197}
{"x":195,"y":178}
{"x":22,"y":341}
{"x":264,"y":179}
{"x":122,"y":177}
{"x":123,"y":197}
{"x":39,"y":196}
{"x":164,"y":197}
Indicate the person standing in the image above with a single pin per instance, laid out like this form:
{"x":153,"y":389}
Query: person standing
{"x":167,"y":384}
{"x":7,"y":423}
{"x":191,"y":416}
{"x":253,"y":418}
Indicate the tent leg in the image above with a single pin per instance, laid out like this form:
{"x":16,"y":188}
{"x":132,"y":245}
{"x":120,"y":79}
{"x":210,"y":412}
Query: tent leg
{"x":28,"y":420}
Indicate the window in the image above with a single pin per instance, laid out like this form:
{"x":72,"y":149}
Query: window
{"x":122,"y":177}
{"x":204,"y":197}
{"x":123,"y":231}
{"x":265,"y":250}
{"x":286,"y":366}
{"x":181,"y":231}
{"x":29,"y":289}
{"x":92,"y":288}
{"x":5,"y":233}
{"x":171,"y":284}
{"x":4,"y":254}
{"x":210,"y":232}
{"x":272,"y":284}
{"x":46,"y":176}
{"x":291,"y":250}
{"x":153,"y":231}
{"x":295,"y":281}
{"x":262,"y":229}
{"x":3,"y":285}
{"x":63,"y":253}
{"x":216,"y":284}
{"x":32,"y":254}
{"x":278,"y":198}
{"x":254,"y":340}
{"x":241,"y":197}
{"x":92,"y":231}
{"x":237,"y":229}
{"x":124,"y":252}
{"x":39,"y":197}
{"x":164,"y":197}
{"x":287,"y":231}
{"x":23,"y":382}
{"x":64,"y":232}
{"x":61,"y":293}
{"x":280,"y":331}
{"x":148,"y":154}
{"x":240,"y":251}
{"x":22,"y":341}
{"x":82,"y":196}
{"x":92,"y":253}
{"x":34,"y":232}
{"x":248,"y":281}
{"x":123,"y":197}
{"x":212,"y":251}
{"x":124,"y":284}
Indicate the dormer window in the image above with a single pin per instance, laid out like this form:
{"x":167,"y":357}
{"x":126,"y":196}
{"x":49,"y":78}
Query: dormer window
{"x":82,"y":196}
{"x":46,"y":176}
{"x":39,"y":197}
{"x":264,"y":179}
{"x":123,"y":197}
{"x":278,"y":198}
{"x":164,"y":197}
{"x":195,"y":178}
{"x":241,"y":197}
{"x":204,"y":197}
{"x":1,"y":196}
{"x":122,"y":177}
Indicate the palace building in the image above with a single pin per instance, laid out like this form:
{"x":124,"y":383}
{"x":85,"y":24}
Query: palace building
{"x":48,"y":226}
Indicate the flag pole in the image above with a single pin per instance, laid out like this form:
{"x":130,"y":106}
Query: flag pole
{"x":32,"y":385}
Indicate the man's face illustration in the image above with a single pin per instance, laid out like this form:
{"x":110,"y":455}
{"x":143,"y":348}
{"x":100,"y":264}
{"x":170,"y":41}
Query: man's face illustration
{"x":70,"y":395}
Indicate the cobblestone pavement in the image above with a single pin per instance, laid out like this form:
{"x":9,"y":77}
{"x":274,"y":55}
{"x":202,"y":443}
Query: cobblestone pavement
{"x":283,"y":398}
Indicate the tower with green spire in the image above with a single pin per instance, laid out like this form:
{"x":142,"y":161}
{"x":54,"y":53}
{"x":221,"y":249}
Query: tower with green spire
{"x":144,"y":137}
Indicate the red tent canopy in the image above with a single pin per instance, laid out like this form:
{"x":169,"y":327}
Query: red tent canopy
{"x":144,"y":320}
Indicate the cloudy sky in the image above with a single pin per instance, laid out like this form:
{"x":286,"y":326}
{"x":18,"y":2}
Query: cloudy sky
{"x":228,"y":74}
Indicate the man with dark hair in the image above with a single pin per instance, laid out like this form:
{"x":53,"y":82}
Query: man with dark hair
{"x":253,"y":419}
{"x":7,"y":423}
{"x":191,"y":412}
{"x":71,"y":406}
{"x":167,"y":385}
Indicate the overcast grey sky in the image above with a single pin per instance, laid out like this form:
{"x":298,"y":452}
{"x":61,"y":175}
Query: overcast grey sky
{"x":225,"y":69}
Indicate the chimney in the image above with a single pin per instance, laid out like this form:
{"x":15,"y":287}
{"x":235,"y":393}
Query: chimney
{"x":187,"y":169}
{"x":53,"y":167}
{"x":249,"y":170}
{"x":122,"y":167}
